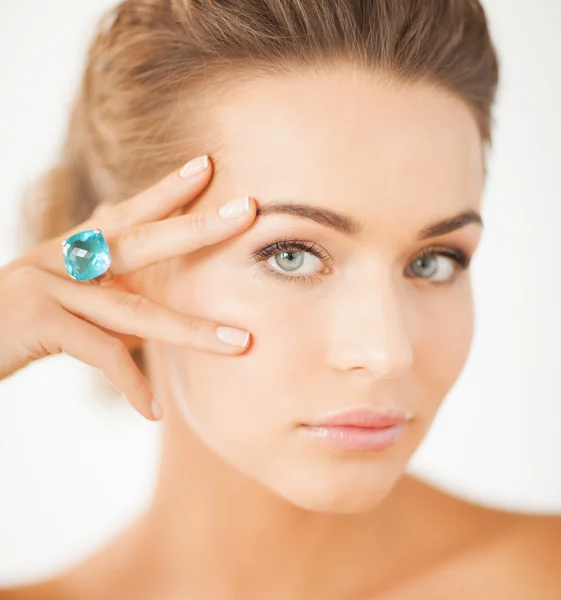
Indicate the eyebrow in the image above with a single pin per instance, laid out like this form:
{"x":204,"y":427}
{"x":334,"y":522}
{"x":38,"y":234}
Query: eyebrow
{"x":349,"y":226}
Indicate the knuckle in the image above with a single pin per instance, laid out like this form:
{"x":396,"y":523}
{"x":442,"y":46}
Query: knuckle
{"x":133,"y":235}
{"x":27,"y":274}
{"x":196,"y":327}
{"x":47,"y":321}
{"x":135,"y":304}
{"x":25,"y":279}
{"x":118,"y":361}
{"x":140,"y":387}
{"x":198,"y":221}
{"x":38,"y":312}
{"x":39,"y":323}
{"x":116,"y":351}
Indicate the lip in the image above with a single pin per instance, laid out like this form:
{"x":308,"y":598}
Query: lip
{"x":363,"y":417}
{"x":360,"y":429}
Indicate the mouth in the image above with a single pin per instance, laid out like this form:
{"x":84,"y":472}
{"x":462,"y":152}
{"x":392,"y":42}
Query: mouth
{"x":358,"y":438}
{"x":361,"y":429}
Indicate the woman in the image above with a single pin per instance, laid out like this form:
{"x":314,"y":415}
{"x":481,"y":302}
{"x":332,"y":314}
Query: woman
{"x":352,"y":134}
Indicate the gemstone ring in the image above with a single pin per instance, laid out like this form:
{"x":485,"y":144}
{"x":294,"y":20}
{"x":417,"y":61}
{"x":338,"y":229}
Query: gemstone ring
{"x":87,"y":257}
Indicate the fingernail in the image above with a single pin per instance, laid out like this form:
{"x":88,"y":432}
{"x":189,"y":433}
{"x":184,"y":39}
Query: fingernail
{"x":233,"y":337}
{"x":194,"y":167}
{"x":234,"y":209}
{"x":156,"y":410}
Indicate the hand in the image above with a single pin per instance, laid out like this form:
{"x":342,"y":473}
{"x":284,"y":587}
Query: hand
{"x":44,"y":311}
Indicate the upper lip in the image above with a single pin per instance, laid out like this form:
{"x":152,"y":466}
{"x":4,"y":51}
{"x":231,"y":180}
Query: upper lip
{"x":363,"y":417}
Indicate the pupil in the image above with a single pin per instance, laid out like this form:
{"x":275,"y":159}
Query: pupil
{"x":423,"y":263}
{"x":289,"y":260}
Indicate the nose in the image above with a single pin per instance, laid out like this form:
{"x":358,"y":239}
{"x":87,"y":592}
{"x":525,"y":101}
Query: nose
{"x":370,"y":331}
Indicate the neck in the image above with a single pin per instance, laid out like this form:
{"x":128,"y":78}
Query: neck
{"x":210,"y":526}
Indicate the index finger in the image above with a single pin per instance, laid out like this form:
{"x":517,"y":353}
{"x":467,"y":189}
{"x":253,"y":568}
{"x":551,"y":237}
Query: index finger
{"x":157,"y":201}
{"x":152,"y":204}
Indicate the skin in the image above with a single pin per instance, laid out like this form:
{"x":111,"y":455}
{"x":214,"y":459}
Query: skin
{"x":247,"y":504}
{"x":396,"y":161}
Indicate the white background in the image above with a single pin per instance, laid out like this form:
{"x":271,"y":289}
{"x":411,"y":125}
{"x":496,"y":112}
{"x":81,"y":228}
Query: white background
{"x":74,"y":469}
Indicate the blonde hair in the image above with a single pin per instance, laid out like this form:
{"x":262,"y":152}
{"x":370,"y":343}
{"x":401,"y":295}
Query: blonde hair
{"x":153,"y":64}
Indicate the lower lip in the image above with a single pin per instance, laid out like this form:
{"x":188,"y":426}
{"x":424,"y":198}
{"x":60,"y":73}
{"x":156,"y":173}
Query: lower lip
{"x":358,"y":438}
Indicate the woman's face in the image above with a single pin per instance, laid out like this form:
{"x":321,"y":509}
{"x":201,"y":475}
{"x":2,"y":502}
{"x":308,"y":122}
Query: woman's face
{"x":363,"y":322}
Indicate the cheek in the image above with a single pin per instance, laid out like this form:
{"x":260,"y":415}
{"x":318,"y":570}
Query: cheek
{"x":445,"y":344}
{"x":239,"y":403}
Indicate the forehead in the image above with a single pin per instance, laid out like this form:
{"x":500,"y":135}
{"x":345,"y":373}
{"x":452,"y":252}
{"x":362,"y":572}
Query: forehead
{"x":353,"y":138}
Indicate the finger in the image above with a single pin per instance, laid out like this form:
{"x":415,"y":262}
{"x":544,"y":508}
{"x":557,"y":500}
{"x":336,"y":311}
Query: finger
{"x":157,"y":202}
{"x":136,"y":315}
{"x":144,"y":245}
{"x":64,"y":332}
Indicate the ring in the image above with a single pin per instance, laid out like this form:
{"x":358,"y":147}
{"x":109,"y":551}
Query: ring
{"x":87,"y":256}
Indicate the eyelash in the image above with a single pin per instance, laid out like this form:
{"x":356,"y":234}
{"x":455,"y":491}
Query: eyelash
{"x":461,"y":259}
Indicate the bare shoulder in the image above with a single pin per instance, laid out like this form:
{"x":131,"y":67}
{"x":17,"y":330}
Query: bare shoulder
{"x":485,"y":552}
{"x":523,"y":561}
{"x":109,"y":572}
{"x":535,"y":542}
{"x":47,"y":590}
{"x":83,"y":580}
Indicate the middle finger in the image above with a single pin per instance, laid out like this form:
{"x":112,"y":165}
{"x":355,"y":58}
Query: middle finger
{"x":146,"y":244}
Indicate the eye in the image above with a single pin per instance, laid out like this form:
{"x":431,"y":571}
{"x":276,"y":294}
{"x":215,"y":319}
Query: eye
{"x":427,"y":266}
{"x":293,"y":260}
{"x":301,"y":261}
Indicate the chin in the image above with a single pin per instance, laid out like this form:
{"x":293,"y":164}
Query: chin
{"x":341,"y":490}
{"x":343,"y":502}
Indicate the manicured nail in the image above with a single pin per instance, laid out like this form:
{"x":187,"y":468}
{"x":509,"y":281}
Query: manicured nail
{"x":194,"y":167}
{"x":233,"y":337}
{"x":236,"y":208}
{"x":156,"y":410}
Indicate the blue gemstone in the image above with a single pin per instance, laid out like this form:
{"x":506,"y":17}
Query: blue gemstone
{"x":86,"y":254}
